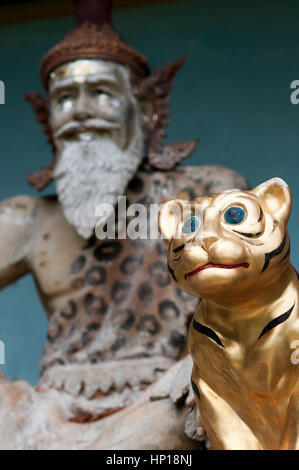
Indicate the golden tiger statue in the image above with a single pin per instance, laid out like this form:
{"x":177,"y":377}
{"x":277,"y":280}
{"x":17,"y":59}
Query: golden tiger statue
{"x":232,"y":251}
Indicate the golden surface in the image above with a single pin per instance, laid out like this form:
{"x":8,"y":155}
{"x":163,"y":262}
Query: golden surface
{"x":245,"y":363}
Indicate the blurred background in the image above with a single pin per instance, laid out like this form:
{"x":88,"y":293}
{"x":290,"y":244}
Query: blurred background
{"x":233,"y":93}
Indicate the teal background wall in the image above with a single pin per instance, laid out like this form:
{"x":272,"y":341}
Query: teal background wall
{"x":233,"y":93}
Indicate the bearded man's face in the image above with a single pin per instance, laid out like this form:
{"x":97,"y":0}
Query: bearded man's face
{"x":97,"y":127}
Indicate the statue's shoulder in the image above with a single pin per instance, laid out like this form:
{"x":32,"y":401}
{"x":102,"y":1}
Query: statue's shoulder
{"x":207,"y":179}
{"x":219,"y":175}
{"x":31,"y":207}
{"x":19,"y":212}
{"x":21,"y":203}
{"x":186,"y":181}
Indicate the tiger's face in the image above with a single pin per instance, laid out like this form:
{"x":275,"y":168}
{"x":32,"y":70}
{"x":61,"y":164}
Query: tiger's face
{"x":231,"y":244}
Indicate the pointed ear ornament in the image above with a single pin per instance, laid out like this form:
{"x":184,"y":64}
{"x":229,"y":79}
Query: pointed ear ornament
{"x":158,"y":85}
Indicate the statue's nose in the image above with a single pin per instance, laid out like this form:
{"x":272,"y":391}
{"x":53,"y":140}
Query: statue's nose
{"x":81,"y":115}
{"x":82,"y":110}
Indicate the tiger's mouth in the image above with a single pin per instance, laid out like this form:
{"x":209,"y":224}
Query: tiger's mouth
{"x":212,"y":265}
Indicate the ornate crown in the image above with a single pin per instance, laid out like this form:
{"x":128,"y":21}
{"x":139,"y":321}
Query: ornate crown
{"x":89,"y":41}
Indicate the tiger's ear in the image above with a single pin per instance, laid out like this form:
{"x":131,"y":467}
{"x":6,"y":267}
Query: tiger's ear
{"x":170,"y":215}
{"x":276,"y":197}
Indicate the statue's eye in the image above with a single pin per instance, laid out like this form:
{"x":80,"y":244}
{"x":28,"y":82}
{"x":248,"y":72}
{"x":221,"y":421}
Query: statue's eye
{"x":191,"y":224}
{"x":64,"y":98}
{"x":100,"y":92}
{"x":234,"y":215}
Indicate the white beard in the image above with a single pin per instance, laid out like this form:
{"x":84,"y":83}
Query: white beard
{"x":89,"y":173}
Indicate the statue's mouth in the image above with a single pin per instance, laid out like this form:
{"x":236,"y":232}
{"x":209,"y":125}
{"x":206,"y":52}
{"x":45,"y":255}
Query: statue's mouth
{"x":212,"y":265}
{"x":91,"y":125}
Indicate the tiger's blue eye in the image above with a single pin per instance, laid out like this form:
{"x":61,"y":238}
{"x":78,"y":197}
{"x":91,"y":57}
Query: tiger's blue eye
{"x":191,"y":224}
{"x":234,"y":215}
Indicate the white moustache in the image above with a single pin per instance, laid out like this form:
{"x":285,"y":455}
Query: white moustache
{"x":88,"y":125}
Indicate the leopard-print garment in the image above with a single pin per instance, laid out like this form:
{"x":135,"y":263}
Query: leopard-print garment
{"x":126,"y":306}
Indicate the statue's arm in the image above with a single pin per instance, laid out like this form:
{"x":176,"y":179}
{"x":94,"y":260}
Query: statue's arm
{"x":17,"y":222}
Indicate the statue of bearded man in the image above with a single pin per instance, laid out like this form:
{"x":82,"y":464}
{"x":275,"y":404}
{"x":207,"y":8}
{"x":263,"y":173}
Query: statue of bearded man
{"x":116,"y":322}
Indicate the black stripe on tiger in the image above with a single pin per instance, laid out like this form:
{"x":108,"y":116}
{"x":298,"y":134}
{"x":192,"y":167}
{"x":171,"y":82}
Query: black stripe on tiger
{"x":277,"y":321}
{"x":204,"y":330}
{"x":179,"y":248}
{"x":171,"y":271}
{"x":248,"y":235}
{"x":287,"y":254}
{"x":276,"y":252}
{"x":195,"y":389}
{"x":261,"y":215}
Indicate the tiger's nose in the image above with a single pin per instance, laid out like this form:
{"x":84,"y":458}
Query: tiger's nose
{"x":227,"y":251}
{"x":208,"y":242}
